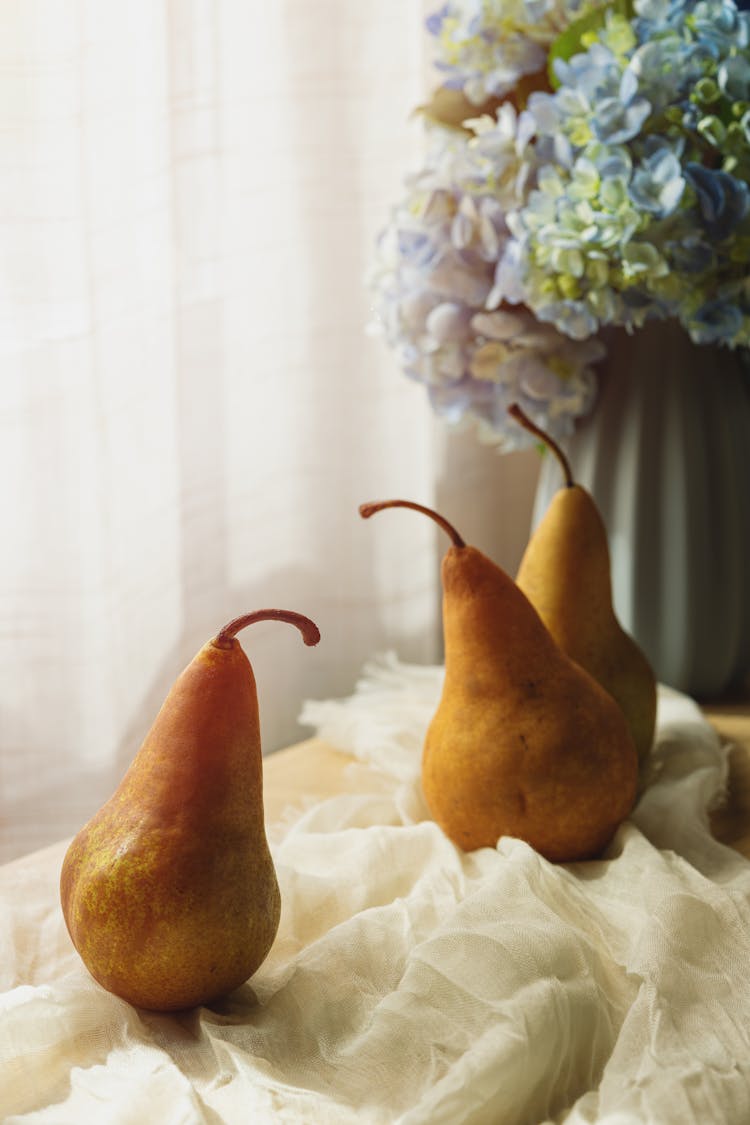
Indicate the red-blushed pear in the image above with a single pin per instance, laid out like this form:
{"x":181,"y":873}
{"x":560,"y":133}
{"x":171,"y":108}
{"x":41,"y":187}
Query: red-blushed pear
{"x":169,"y":892}
{"x":565,"y":573}
{"x":523,"y":743}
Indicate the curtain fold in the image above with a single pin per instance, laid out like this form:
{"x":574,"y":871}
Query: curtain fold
{"x":190,"y":409}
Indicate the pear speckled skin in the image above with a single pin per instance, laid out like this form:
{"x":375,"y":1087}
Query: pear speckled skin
{"x":524,"y":742}
{"x":566,"y":574}
{"x":169,"y":892}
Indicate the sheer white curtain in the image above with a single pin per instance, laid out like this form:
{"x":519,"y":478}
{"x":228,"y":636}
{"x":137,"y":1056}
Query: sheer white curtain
{"x":190,"y":410}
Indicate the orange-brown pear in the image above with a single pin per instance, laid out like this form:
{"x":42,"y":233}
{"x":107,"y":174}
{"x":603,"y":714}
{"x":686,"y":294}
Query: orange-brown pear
{"x":566,"y":574}
{"x":169,"y":892}
{"x":523,"y":743}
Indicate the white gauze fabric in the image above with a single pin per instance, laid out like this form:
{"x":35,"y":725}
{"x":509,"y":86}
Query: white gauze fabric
{"x":413,"y":983}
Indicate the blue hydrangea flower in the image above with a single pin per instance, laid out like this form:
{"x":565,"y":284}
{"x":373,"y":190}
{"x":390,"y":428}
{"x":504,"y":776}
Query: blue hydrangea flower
{"x":606,"y":230}
{"x":722,"y":199}
{"x":658,"y":183}
{"x":616,"y":192}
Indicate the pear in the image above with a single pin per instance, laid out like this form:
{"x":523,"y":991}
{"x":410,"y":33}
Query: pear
{"x":169,"y":892}
{"x":524,"y":742}
{"x":566,"y":574}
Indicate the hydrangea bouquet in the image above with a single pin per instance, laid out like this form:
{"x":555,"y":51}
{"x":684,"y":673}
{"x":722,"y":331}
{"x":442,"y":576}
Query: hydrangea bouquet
{"x":586,"y":165}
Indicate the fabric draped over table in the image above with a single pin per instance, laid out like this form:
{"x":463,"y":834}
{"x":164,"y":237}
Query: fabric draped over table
{"x":413,"y":983}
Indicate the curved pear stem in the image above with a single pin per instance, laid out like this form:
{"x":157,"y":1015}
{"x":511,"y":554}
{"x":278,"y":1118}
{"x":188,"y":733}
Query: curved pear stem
{"x":367,"y":510}
{"x":309,"y":630}
{"x":516,"y":412}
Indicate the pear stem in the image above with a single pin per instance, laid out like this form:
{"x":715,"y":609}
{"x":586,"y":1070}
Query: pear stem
{"x":367,"y":510}
{"x":516,"y":412}
{"x":309,"y":630}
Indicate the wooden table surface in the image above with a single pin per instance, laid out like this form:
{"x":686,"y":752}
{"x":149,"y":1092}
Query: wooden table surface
{"x":308,"y":772}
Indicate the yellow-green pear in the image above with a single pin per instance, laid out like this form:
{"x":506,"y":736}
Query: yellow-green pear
{"x":169,"y":892}
{"x":524,"y":742}
{"x":566,"y":574}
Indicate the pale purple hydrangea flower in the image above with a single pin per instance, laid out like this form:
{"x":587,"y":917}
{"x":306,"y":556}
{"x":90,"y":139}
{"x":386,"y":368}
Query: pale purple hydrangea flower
{"x":434,"y":284}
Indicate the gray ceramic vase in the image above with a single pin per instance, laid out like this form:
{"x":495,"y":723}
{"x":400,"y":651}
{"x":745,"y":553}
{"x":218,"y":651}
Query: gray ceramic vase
{"x":666,"y":455}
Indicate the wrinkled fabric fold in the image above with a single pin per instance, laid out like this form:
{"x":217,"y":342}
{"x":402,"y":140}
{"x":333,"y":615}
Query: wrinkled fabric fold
{"x":413,"y":983}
